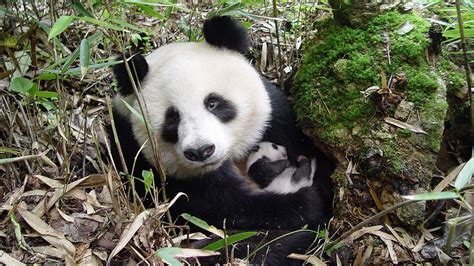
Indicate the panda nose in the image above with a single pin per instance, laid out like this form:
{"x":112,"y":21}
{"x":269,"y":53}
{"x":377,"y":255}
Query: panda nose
{"x":200,"y":154}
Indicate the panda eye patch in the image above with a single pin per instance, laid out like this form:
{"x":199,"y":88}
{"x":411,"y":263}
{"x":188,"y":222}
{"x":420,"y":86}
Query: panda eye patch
{"x":222,"y":108}
{"x":169,"y":131}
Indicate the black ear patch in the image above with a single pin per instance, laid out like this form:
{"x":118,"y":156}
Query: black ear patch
{"x":138,"y":67}
{"x":264,"y":171}
{"x":303,"y":171}
{"x":226,"y":32}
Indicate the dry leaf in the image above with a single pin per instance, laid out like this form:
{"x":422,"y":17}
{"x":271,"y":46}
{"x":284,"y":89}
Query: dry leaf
{"x":49,"y":251}
{"x":192,"y":236}
{"x":400,"y":124}
{"x":307,"y":258}
{"x":8,"y":205}
{"x":52,"y":236}
{"x":42,"y":207}
{"x":129,"y":233}
{"x":449,"y":179}
{"x":397,"y":236}
{"x":362,"y":232}
{"x":49,"y":182}
{"x":38,"y":225}
{"x":9,"y":260}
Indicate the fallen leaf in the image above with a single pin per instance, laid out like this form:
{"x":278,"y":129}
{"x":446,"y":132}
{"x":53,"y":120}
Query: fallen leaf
{"x":405,"y":28}
{"x":400,"y":124}
{"x":38,"y":225}
{"x":9,"y":260}
{"x":128,"y":233}
{"x":170,"y":254}
{"x":52,"y":236}
{"x":449,"y":179}
{"x":307,"y":258}
{"x":362,"y":232}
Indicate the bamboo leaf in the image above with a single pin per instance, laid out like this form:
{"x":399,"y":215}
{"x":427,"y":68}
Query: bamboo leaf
{"x":59,"y":26}
{"x":433,"y":196}
{"x":202,"y":224}
{"x":84,"y":57}
{"x":126,"y":24}
{"x":101,"y":23}
{"x":47,"y":94}
{"x":230,"y":240}
{"x":464,"y":177}
{"x":134,"y":112}
{"x":170,"y":254}
{"x":147,"y":179}
{"x":76,"y":4}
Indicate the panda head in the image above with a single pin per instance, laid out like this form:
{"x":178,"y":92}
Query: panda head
{"x":205,"y":102}
{"x":266,"y":152}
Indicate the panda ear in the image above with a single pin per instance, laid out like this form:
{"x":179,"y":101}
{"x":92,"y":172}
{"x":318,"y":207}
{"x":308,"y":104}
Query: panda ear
{"x":138,"y":67}
{"x":223,"y":31}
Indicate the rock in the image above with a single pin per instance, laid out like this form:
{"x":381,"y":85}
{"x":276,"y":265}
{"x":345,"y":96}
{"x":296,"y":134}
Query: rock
{"x":343,"y":120}
{"x":357,"y":13}
{"x":403,"y":110}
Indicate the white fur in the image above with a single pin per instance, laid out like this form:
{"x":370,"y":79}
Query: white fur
{"x":182,"y":75}
{"x":281,"y":184}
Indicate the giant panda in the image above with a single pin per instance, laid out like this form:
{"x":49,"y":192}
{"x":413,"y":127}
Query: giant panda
{"x":208,"y":107}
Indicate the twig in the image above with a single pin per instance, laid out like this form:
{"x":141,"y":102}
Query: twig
{"x":280,"y":68}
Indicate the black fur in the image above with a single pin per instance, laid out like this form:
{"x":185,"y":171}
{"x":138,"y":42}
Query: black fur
{"x":263,"y":171}
{"x":303,"y":171}
{"x":138,"y":67}
{"x":223,"y":108}
{"x":282,"y":131}
{"x":169,"y":132}
{"x":227,"y":33}
{"x":222,"y":194}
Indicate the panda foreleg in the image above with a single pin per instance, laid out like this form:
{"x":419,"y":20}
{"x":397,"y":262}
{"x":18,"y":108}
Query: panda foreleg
{"x":278,"y":211}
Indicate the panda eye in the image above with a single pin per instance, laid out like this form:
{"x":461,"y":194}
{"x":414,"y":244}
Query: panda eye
{"x":220,"y":107}
{"x":212,"y":104}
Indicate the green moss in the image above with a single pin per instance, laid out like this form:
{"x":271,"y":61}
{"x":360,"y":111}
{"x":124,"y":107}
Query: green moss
{"x":394,"y":163}
{"x":455,"y":79}
{"x":345,"y":61}
{"x":404,"y":133}
{"x":422,"y":84}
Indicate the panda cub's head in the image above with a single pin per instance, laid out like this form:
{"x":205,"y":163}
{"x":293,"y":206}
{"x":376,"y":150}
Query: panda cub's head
{"x":205,"y":102}
{"x":268,"y":152}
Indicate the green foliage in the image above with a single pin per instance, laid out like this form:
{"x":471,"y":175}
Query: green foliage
{"x":230,"y":240}
{"x":148,"y":177}
{"x":464,"y":177}
{"x":434,"y":196}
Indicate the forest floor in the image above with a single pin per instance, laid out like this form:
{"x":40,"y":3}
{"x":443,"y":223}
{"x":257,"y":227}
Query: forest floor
{"x":61,"y":199}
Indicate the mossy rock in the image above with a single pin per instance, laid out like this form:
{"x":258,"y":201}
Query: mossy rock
{"x":329,"y":101}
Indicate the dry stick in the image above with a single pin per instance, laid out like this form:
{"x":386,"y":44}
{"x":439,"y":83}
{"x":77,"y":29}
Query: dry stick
{"x":280,"y":69}
{"x":378,"y":215}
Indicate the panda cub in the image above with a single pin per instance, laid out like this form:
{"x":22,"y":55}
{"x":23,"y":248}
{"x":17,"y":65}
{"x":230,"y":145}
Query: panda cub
{"x":269,"y":167}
